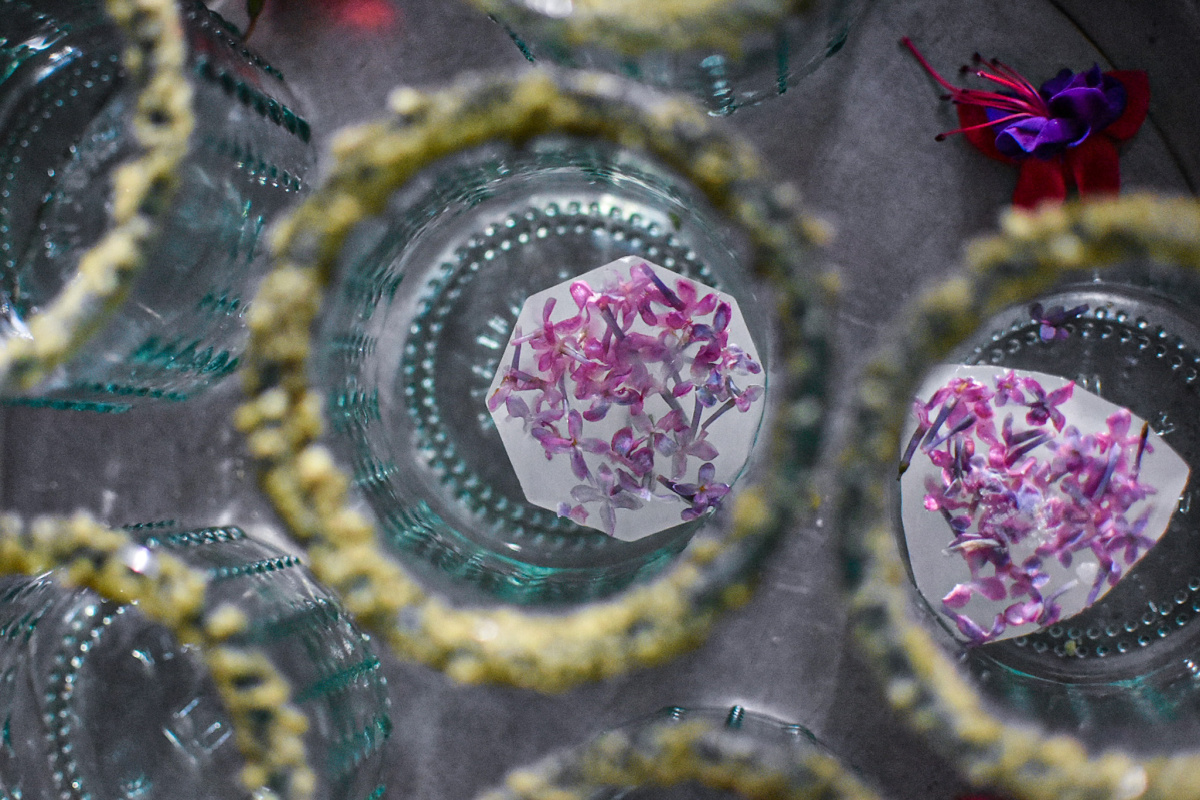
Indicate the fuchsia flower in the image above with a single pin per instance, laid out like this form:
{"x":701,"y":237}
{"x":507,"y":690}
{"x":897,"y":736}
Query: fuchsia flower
{"x":1062,"y":133}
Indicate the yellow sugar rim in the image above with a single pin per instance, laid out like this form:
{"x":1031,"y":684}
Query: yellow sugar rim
{"x":268,"y":727}
{"x":922,"y":678}
{"x":635,"y":27}
{"x":701,"y":752}
{"x":153,"y":61}
{"x":283,"y":419}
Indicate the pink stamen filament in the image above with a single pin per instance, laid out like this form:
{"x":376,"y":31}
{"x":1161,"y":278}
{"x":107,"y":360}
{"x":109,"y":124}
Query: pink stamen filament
{"x":1000,"y":121}
{"x":1028,"y":103}
{"x":1022,"y":88}
{"x":1016,"y":77}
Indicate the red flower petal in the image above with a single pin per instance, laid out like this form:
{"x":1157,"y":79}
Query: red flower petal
{"x":1094,"y":166}
{"x":984,"y":139}
{"x":1040,"y":180}
{"x":1137,"y":91}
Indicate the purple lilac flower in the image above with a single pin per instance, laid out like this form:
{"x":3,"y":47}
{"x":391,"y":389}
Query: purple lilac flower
{"x":573,"y":443}
{"x":1008,"y":388}
{"x":1052,"y":322}
{"x":702,"y":496}
{"x":611,"y":492}
{"x":1044,"y":407}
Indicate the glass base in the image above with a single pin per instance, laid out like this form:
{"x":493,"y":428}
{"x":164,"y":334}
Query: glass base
{"x":768,"y":63}
{"x":59,"y":128}
{"x":99,"y":702}
{"x":66,"y":112}
{"x":1125,"y":663}
{"x":417,"y":334}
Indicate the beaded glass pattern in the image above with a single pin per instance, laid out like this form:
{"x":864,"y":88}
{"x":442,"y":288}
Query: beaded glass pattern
{"x":1094,"y":705}
{"x":283,"y":420}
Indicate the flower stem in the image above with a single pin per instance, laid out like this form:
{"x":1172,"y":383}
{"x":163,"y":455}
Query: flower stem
{"x":728,"y":404}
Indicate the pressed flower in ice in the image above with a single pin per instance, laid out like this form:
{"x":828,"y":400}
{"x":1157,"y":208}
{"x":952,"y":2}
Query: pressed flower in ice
{"x":1060,"y":134}
{"x":1041,"y":514}
{"x":642,"y":391}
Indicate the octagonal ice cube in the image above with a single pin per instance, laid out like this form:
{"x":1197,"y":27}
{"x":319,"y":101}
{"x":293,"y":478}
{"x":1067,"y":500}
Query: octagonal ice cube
{"x":628,"y":398}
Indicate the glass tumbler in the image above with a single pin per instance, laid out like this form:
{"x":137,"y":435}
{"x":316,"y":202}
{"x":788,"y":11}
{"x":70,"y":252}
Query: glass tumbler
{"x":727,"y":53}
{"x":439,"y":236}
{"x":101,"y":702}
{"x":1032,"y":604}
{"x":691,"y":753}
{"x":133,"y":136}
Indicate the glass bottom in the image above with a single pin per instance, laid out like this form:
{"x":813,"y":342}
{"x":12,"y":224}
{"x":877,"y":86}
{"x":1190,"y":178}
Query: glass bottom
{"x":770,"y":64}
{"x":98,"y":702}
{"x":1125,"y":663}
{"x":418,"y":336}
{"x":59,"y":130}
{"x":66,"y":112}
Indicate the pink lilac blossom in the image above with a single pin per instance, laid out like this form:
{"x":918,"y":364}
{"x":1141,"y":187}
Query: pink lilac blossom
{"x":633,"y":340}
{"x":1049,"y":486}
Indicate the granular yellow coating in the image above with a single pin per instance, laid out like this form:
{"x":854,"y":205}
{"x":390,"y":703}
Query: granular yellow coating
{"x":154,"y":61}
{"x":692,"y":752}
{"x":633,"y":28}
{"x":268,"y":728}
{"x":922,"y":679}
{"x":283,"y":417}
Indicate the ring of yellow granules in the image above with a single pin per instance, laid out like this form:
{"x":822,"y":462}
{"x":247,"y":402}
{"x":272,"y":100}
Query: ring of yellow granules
{"x":922,"y":678}
{"x":635,"y":28}
{"x":697,"y":750}
{"x":268,"y":728}
{"x":153,"y":61}
{"x":283,"y":419}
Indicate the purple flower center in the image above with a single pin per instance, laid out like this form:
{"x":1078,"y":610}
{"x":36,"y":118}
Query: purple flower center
{"x":1079,"y":104}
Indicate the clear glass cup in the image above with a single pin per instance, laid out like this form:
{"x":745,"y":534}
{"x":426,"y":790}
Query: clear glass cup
{"x":1084,"y":685}
{"x":728,"y":53}
{"x":553,"y":175}
{"x":129,"y":139}
{"x":101,"y":702}
{"x":691,"y":753}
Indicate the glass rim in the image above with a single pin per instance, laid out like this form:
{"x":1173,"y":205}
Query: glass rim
{"x":922,"y":679}
{"x":162,"y":121}
{"x":634,"y":28}
{"x":691,"y":746}
{"x":79,"y":552}
{"x":283,"y":417}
